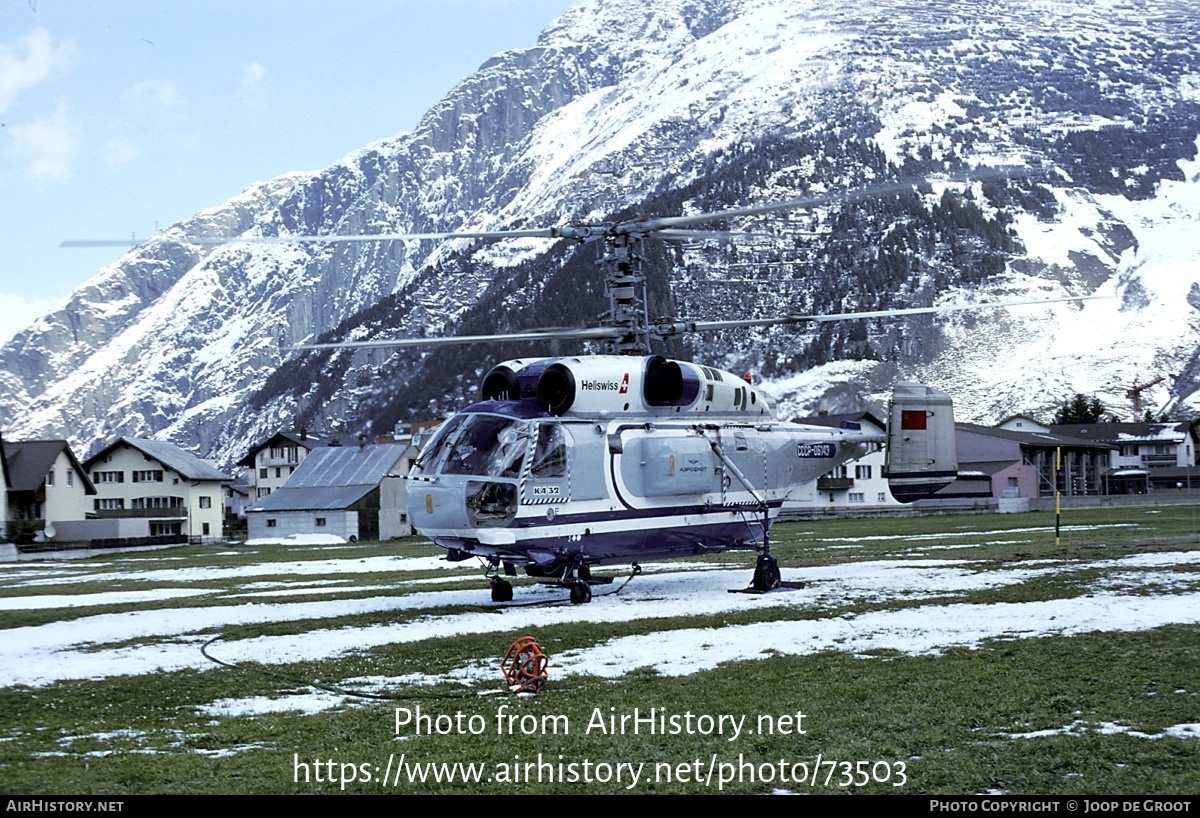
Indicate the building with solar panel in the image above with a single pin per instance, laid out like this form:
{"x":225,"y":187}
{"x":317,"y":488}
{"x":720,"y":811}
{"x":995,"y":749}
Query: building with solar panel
{"x":352,"y":492}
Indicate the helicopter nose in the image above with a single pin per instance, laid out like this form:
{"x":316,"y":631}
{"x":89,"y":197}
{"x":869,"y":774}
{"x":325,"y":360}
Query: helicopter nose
{"x":433,"y":506}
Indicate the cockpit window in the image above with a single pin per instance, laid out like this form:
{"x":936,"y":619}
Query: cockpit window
{"x":550,"y":453}
{"x":482,"y":445}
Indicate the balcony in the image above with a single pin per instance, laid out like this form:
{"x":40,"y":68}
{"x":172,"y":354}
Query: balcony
{"x":179,"y":513}
{"x":834,"y":483}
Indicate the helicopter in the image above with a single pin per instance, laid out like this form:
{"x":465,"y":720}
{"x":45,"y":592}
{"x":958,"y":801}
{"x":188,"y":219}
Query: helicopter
{"x":566,"y":463}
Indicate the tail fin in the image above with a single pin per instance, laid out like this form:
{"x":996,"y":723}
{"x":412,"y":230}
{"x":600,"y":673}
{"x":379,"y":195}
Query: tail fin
{"x":922,"y":457}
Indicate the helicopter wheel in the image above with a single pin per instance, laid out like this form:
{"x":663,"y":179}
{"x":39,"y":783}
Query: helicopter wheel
{"x":581,"y":593}
{"x":502,"y":591}
{"x":766,"y":573}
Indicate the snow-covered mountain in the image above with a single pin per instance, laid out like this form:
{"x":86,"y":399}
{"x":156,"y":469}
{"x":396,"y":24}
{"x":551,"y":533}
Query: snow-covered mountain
{"x":681,"y":105}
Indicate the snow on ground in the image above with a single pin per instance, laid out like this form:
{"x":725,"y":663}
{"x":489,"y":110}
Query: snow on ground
{"x":363,"y":565}
{"x":154,"y":640}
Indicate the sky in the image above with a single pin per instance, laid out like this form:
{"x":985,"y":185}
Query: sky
{"x":118,"y":117}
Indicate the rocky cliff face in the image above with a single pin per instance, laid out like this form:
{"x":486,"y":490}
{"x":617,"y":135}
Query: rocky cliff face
{"x":686,"y":105}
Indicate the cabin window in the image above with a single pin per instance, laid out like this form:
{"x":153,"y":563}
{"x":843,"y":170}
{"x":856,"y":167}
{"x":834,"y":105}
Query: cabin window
{"x":483,"y":445}
{"x":321,"y":522}
{"x":270,"y":523}
{"x":550,"y":453}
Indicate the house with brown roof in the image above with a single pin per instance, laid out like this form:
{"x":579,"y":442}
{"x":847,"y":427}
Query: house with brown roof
{"x":179,"y":494}
{"x":1148,"y":456}
{"x":270,"y":463}
{"x":44,"y":485}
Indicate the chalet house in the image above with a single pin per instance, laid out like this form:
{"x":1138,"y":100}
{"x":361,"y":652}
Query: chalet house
{"x":270,"y":463}
{"x":44,"y":485}
{"x":855,"y":485}
{"x":352,"y":492}
{"x":176,"y":492}
{"x":1149,"y":456}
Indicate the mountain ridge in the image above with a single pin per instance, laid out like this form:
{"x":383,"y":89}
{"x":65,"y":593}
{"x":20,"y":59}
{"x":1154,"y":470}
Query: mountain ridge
{"x":688,"y":104}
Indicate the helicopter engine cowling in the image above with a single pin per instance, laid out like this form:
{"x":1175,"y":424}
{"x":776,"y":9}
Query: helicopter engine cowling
{"x":615,"y":384}
{"x":512,"y":380}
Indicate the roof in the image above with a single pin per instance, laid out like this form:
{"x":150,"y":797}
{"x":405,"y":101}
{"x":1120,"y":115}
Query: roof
{"x":1125,"y":432}
{"x":1038,"y":439}
{"x":1029,"y":418}
{"x":304,"y":440}
{"x":984,"y":467}
{"x":335,"y":477}
{"x":27,"y":463}
{"x":174,"y":458}
{"x":836,"y":421}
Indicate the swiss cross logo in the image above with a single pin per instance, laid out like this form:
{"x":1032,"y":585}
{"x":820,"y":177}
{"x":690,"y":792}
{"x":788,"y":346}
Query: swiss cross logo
{"x":624,"y":385}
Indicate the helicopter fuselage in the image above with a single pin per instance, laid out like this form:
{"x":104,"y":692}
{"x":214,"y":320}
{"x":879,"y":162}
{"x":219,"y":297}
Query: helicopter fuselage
{"x":615,"y":459}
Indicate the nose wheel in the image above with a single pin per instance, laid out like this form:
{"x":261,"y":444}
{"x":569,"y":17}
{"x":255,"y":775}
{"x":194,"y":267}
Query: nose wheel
{"x":502,"y":590}
{"x":766,"y":573}
{"x":581,"y":593}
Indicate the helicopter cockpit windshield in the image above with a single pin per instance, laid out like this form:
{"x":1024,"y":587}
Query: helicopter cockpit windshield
{"x":478,"y":444}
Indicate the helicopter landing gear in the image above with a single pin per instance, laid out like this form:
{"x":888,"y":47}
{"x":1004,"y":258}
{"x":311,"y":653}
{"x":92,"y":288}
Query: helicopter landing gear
{"x":766,"y":573}
{"x":502,"y":590}
{"x":581,"y":592}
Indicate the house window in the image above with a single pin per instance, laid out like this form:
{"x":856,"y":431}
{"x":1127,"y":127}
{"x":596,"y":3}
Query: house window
{"x":270,"y":523}
{"x":278,"y":471}
{"x":206,"y":502}
{"x":110,"y":504}
{"x":862,"y":472}
{"x":883,"y":497}
{"x":262,"y":474}
{"x":70,"y":478}
{"x":320,"y":522}
{"x":157,"y":502}
{"x":50,"y":478}
{"x":204,"y":529}
{"x":108,"y":477}
{"x":148,"y":476}
{"x":857,"y":497}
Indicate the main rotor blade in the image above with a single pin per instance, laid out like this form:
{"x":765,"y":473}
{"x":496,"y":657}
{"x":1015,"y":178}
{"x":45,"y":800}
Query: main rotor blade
{"x":596,"y":333}
{"x":712,"y":326}
{"x":806,"y":202}
{"x":548,"y":233}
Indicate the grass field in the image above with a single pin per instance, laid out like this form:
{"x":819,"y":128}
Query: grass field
{"x":935,"y":654}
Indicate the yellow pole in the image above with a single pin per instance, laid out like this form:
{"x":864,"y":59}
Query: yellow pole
{"x":1057,"y":496}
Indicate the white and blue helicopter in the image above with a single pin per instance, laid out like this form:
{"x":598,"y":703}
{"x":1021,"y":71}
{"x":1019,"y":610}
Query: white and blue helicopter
{"x":566,"y":463}
{"x":570,"y":462}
